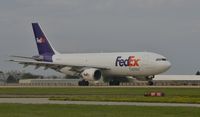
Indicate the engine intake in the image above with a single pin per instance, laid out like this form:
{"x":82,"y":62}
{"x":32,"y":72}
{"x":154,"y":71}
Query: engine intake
{"x":91,"y":74}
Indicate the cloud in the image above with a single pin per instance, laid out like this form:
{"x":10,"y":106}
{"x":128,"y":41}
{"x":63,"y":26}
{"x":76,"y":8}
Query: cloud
{"x":95,"y":25}
{"x":156,"y":3}
{"x":83,"y":7}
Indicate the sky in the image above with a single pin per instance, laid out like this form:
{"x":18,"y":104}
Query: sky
{"x":167,"y":27}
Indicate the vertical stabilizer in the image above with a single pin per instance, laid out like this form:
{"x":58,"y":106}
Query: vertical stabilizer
{"x":43,"y":45}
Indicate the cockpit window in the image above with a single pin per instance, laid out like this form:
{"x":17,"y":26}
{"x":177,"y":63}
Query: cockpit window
{"x":161,"y":59}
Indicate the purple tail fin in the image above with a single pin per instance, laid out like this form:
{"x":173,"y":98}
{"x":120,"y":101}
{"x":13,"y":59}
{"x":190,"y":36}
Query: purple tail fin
{"x":43,"y":45}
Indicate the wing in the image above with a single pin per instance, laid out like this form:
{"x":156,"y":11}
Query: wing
{"x":55,"y":66}
{"x":24,"y":57}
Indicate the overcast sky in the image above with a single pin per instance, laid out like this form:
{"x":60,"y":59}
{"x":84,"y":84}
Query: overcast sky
{"x":167,"y":27}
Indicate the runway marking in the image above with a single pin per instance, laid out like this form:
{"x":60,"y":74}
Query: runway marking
{"x":47,"y":101}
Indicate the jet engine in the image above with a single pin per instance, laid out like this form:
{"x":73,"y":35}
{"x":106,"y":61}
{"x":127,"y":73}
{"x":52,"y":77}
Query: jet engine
{"x":91,"y":74}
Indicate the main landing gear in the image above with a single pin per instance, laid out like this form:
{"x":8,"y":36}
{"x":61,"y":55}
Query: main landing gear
{"x":83,"y":83}
{"x":114,"y":83}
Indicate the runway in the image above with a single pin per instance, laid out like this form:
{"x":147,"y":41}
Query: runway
{"x":57,"y":86}
{"x":47,"y":101}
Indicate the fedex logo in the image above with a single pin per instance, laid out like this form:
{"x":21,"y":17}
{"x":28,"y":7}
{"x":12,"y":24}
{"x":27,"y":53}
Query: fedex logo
{"x":131,"y":61}
{"x":40,"y":40}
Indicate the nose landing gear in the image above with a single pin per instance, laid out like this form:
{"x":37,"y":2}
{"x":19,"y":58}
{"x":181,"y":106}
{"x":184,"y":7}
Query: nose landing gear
{"x":150,"y":80}
{"x":150,"y":83}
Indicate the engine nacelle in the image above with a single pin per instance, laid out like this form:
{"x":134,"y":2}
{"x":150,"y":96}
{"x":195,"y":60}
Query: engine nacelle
{"x":91,"y":74}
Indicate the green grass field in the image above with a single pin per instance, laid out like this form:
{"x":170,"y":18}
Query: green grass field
{"x":21,"y":110}
{"x":175,"y":95}
{"x":194,"y":92}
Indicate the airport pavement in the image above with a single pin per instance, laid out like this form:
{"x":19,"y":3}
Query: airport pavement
{"x":47,"y":101}
{"x":21,"y":86}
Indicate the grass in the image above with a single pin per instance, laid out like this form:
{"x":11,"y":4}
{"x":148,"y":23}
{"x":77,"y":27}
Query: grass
{"x":21,"y":110}
{"x":194,"y":92}
{"x":175,"y":95}
{"x":129,"y":98}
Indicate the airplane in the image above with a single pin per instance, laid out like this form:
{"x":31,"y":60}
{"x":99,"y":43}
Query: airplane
{"x":95,"y":66}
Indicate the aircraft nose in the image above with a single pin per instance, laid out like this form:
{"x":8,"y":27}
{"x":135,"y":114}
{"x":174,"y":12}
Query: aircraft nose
{"x":166,"y":65}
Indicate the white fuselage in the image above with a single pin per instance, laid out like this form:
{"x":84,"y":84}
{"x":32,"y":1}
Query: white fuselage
{"x":117,"y":64}
{"x":95,"y":66}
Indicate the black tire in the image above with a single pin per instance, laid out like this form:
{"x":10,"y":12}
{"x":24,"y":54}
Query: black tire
{"x":80,"y":83}
{"x":150,"y":83}
{"x":83,"y":83}
{"x":114,"y":83}
{"x":110,"y":83}
{"x":86,"y":83}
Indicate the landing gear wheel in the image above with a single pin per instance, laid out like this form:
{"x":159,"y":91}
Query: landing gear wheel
{"x":150,"y":83}
{"x":114,"y":83}
{"x":83,"y":83}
